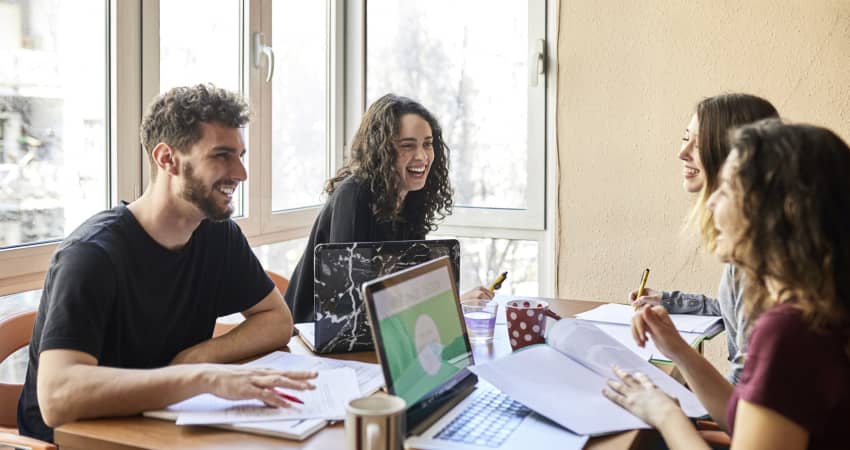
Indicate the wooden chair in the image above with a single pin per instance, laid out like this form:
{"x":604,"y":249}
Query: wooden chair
{"x":279,"y":281}
{"x":15,"y":334}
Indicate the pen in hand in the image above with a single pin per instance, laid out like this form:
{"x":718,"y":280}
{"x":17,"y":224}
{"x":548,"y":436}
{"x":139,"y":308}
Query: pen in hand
{"x":497,"y":283}
{"x":643,"y":279}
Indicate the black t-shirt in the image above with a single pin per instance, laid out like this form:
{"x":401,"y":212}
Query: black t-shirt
{"x":346,"y":217}
{"x":113,"y":292}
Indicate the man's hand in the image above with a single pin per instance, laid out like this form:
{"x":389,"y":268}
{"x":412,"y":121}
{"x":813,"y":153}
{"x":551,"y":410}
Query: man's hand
{"x":242,"y":383}
{"x":650,"y":297}
{"x":637,"y":394}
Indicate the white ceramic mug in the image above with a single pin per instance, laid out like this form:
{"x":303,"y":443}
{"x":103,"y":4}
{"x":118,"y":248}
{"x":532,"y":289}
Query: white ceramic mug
{"x":375,"y":423}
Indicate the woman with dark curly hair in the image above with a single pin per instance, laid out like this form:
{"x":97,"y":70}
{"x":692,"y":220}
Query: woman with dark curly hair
{"x":395,"y":186}
{"x":782,"y":215}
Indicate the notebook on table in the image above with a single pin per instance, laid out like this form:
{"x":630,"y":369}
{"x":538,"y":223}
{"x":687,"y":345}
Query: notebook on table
{"x":424,"y":350}
{"x":340,"y":269}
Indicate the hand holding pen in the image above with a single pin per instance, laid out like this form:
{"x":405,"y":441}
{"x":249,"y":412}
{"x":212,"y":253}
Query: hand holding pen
{"x":639,"y":292}
{"x":485,"y":293}
{"x":497,"y":283}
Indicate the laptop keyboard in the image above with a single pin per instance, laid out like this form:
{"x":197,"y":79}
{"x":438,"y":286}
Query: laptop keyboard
{"x":488,"y":422}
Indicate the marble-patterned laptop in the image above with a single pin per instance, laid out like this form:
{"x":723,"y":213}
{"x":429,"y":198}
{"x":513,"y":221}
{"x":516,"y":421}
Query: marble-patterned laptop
{"x":342,"y":324}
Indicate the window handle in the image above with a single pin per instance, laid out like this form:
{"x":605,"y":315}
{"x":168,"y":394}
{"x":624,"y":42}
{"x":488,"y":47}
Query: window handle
{"x":261,"y":49}
{"x":537,"y":62}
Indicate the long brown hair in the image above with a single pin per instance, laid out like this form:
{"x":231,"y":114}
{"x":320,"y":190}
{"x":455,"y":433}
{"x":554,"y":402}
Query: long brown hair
{"x":794,"y":186}
{"x":716,"y":115}
{"x":373,"y":158}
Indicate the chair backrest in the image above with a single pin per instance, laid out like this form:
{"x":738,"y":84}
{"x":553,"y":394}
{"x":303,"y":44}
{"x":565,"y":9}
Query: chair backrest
{"x":15,"y":333}
{"x":279,"y":281}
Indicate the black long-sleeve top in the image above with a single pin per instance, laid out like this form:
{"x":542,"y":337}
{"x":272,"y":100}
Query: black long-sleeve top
{"x":346,"y":217}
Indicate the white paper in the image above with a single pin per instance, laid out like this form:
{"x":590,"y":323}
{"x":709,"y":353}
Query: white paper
{"x":623,"y":335}
{"x":558,"y":388}
{"x":563,"y":380}
{"x":370,"y":377}
{"x":622,"y":314}
{"x":588,"y":345}
{"x":334,"y":389}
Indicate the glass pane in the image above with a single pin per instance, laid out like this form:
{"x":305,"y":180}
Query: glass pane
{"x":281,"y":257}
{"x":483,"y":259}
{"x":53,"y":149}
{"x":472,"y":74}
{"x":14,"y":368}
{"x":205,"y":49}
{"x":299,"y":104}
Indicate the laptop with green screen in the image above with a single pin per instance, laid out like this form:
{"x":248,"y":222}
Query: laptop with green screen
{"x":424,"y":350}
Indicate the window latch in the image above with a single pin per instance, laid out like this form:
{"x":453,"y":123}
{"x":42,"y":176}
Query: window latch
{"x":261,"y":49}
{"x":536,"y":62}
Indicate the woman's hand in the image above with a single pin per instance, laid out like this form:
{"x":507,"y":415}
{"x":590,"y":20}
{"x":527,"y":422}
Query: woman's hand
{"x":654,"y":322}
{"x":650,"y":297}
{"x":478,"y":293}
{"x":637,"y":394}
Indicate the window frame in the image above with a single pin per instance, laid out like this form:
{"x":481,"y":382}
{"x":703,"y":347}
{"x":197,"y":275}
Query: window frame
{"x":23,"y":268}
{"x":133,"y":50}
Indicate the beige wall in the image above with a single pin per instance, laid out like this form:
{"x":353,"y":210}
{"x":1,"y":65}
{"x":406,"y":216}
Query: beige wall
{"x":629,"y":76}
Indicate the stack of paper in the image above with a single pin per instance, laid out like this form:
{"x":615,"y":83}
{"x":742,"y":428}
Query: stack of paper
{"x":615,"y":320}
{"x":338,"y":382}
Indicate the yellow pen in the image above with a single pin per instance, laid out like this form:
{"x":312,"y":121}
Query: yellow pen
{"x":497,"y":283}
{"x":642,"y":285}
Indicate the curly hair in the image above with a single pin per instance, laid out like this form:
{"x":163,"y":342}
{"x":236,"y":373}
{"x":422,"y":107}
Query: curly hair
{"x":373,"y":158}
{"x":174,"y":117}
{"x":716,"y":115}
{"x":793,"y":183}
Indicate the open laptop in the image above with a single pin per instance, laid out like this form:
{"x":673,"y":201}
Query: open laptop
{"x":341,"y":323}
{"x":424,"y":350}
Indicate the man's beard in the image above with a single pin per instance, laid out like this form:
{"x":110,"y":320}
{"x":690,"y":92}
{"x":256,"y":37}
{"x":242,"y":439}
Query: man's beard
{"x":195,"y":192}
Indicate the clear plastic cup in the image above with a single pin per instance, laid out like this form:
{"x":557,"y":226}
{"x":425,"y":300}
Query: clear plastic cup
{"x":480,"y":318}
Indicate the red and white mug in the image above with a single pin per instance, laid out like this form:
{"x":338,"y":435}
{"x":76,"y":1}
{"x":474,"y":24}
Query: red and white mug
{"x":527,"y":321}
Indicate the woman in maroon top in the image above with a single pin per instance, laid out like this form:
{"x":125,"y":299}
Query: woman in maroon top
{"x":782,"y":213}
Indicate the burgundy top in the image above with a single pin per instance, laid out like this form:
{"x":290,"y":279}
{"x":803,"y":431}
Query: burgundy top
{"x":801,"y":375}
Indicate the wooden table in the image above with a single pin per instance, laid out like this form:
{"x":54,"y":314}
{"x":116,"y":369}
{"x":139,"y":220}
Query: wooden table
{"x":142,"y":433}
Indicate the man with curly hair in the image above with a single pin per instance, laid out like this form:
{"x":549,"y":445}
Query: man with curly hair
{"x":131,"y":296}
{"x":394,"y":187}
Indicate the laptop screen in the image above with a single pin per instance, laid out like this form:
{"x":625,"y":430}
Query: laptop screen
{"x":422,"y":336}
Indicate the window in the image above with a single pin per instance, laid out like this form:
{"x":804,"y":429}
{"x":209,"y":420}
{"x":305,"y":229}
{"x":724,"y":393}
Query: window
{"x":206,"y":49}
{"x":299,"y":123}
{"x":473,"y":75}
{"x":82,"y":72}
{"x":483,"y":259}
{"x":53,"y":118}
{"x":485,"y":82}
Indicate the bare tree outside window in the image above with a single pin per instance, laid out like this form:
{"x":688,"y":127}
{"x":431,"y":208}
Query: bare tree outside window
{"x":472,"y":74}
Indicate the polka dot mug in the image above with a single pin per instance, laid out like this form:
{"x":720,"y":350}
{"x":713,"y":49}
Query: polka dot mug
{"x":527,"y":321}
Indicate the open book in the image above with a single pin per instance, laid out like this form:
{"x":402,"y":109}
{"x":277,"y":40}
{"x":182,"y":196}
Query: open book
{"x":563,"y":379}
{"x":615,"y":320}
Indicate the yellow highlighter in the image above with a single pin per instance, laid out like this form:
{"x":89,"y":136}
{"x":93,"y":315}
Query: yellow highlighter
{"x":642,"y":285}
{"x":497,"y":283}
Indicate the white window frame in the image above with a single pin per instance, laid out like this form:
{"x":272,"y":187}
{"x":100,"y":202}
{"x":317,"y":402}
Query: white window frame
{"x":537,"y":221}
{"x":24,"y":268}
{"x":134,"y":82}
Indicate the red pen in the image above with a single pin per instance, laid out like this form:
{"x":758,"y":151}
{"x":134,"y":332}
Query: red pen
{"x":286,"y":396}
